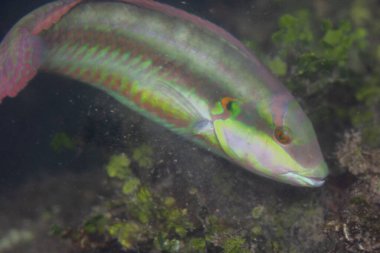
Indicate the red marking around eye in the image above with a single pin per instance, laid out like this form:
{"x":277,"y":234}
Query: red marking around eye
{"x":282,"y":135}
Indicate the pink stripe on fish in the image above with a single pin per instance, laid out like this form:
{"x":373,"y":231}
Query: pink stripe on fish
{"x":53,"y":15}
{"x":279,"y":107}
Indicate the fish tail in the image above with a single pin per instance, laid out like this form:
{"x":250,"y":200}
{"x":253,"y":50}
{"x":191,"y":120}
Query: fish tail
{"x":22,"y":50}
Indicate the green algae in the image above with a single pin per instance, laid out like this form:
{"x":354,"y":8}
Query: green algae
{"x":143,"y":156}
{"x":118,"y":167}
{"x":131,"y":185}
{"x":95,"y":224}
{"x":235,"y":245}
{"x":258,"y":211}
{"x":150,"y":217}
{"x":197,"y":245}
{"x":62,"y":141}
{"x":141,"y":218}
{"x":256,"y":231}
{"x":127,"y":233}
{"x":156,"y":221}
{"x":294,"y":29}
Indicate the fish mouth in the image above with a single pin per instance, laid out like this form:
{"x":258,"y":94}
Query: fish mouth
{"x":299,"y":180}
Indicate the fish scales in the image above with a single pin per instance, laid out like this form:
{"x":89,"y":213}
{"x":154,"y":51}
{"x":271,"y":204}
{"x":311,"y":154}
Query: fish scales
{"x":202,"y":51}
{"x":142,"y":65}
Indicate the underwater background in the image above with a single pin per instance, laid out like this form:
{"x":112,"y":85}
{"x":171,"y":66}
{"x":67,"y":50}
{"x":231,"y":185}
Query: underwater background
{"x":79,"y":172}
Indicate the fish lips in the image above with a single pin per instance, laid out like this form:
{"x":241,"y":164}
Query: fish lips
{"x":299,"y":180}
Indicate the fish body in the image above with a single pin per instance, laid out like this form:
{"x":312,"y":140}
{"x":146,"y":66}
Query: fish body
{"x":176,"y":69}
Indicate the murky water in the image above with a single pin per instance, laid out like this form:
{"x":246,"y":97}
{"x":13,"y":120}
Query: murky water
{"x":58,"y":137}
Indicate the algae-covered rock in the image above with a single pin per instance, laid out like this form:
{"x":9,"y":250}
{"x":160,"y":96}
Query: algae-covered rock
{"x":358,"y":159}
{"x":356,"y":224}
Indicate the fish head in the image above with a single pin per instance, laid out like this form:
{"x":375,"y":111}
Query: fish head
{"x":273,"y":138}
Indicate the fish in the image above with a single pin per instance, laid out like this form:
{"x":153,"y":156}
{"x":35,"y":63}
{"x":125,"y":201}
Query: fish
{"x":176,"y":69}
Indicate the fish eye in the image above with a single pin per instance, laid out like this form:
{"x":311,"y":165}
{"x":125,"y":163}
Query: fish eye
{"x":231,"y":105}
{"x":283,"y":135}
{"x":227,"y":103}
